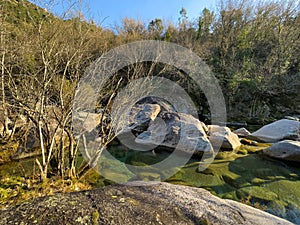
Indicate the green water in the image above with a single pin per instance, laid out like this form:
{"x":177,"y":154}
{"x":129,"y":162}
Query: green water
{"x":245,"y":176}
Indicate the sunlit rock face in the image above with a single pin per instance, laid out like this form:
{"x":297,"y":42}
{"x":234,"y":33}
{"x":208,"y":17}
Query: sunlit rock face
{"x":279,"y":130}
{"x":155,"y":122}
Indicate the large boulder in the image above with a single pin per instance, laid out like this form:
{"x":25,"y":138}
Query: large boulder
{"x":279,"y":130}
{"x":137,"y":203}
{"x":153,"y":122}
{"x":176,"y":130}
{"x":287,"y":150}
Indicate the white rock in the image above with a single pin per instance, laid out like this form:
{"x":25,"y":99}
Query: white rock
{"x":279,"y":130}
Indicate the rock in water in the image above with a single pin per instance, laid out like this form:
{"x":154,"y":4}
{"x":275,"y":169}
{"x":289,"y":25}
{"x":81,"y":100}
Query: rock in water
{"x":246,"y":141}
{"x":153,"y":122}
{"x":222,"y":136}
{"x":287,"y":150}
{"x":229,"y":140}
{"x":176,"y":130}
{"x":137,"y":203}
{"x":279,"y":130}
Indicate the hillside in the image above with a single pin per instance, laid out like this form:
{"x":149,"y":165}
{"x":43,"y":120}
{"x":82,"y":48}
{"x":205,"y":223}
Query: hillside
{"x":18,"y":12}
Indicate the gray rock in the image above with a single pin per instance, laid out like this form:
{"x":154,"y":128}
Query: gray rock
{"x":176,"y":130}
{"x":141,"y":115}
{"x":227,"y":140}
{"x":154,"y":122}
{"x":137,"y":203}
{"x":221,"y":136}
{"x":31,"y":140}
{"x":287,"y":150}
{"x":242,"y":132}
{"x":279,"y":130}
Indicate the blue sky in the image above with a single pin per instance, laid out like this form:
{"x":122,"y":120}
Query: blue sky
{"x":114,"y":10}
{"x":110,"y":12}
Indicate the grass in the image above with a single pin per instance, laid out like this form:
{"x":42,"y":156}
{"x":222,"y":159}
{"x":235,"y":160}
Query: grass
{"x":16,"y":189}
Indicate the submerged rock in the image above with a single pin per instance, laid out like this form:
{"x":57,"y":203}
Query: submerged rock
{"x":279,"y":130}
{"x":287,"y":150}
{"x":137,"y":203}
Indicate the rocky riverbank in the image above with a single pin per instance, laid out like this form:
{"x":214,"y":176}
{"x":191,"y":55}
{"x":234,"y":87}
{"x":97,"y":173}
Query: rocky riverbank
{"x":246,"y":169}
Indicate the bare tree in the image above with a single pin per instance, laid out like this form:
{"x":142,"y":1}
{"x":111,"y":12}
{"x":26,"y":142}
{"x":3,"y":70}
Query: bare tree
{"x":43,"y":89}
{"x":6,"y":134}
